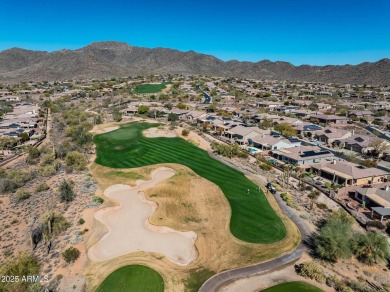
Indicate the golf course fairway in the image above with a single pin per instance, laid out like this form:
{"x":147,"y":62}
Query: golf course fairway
{"x":252,"y":220}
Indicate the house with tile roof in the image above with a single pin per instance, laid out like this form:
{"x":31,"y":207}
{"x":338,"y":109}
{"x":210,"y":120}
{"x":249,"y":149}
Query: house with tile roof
{"x":349,"y":174}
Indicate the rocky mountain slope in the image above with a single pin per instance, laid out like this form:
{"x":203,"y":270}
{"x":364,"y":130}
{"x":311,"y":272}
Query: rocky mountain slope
{"x":115,"y":59}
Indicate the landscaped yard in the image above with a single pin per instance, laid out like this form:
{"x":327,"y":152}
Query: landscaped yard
{"x":133,"y":278}
{"x":252,"y":220}
{"x":150,"y":88}
{"x":293,"y":287}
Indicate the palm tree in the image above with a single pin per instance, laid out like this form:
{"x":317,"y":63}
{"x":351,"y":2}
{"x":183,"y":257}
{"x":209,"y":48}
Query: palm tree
{"x":313,"y":196}
{"x":371,"y":247}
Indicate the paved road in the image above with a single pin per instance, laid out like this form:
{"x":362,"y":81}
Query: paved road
{"x":223,"y":278}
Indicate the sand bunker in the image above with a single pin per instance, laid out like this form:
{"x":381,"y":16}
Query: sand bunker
{"x":157,"y":133}
{"x":130,"y":231}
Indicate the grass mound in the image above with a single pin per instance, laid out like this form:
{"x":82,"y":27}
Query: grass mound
{"x":133,"y":278}
{"x":252,"y":220}
{"x":297,"y":286}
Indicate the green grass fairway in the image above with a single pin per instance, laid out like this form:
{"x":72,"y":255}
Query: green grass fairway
{"x":133,"y":278}
{"x":293,"y":287}
{"x":150,"y":88}
{"x":252,"y":220}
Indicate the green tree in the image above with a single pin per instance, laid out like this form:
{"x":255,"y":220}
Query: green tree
{"x":23,"y":137}
{"x":265,"y":124}
{"x":313,"y":106}
{"x":285,"y":129}
{"x":142,"y":109}
{"x":182,"y":106}
{"x":371,"y":247}
{"x":185,"y":132}
{"x":173,"y":117}
{"x":333,"y":240}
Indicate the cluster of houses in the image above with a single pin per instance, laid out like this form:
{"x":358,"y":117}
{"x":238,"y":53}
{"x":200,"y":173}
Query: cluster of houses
{"x":314,"y":151}
{"x":23,"y":119}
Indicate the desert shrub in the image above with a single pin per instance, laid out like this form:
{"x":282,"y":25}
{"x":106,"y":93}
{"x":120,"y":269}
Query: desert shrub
{"x":33,"y":153}
{"x":371,"y":247}
{"x":358,"y":287}
{"x":47,"y":170}
{"x":322,"y":206}
{"x":63,"y":149}
{"x":7,"y":185}
{"x":76,"y":160}
{"x":265,"y":167}
{"x":375,"y":224}
{"x":312,"y":271}
{"x":185,"y":132}
{"x":21,"y":195}
{"x":82,"y":232}
{"x":285,"y":197}
{"x":97,"y":200}
{"x":66,"y":191}
{"x":42,"y":187}
{"x":334,"y":282}
{"x":71,"y":254}
{"x":21,"y":265}
{"x":47,"y":159}
{"x":14,"y":179}
{"x":81,"y":221}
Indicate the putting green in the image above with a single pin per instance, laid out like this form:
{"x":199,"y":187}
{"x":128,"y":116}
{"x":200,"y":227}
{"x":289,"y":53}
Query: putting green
{"x":297,"y":286}
{"x":252,"y":220}
{"x":132,"y":278}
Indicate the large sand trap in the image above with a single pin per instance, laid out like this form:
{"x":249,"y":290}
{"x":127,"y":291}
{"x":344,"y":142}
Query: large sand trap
{"x":156,"y":133}
{"x":129,"y":229}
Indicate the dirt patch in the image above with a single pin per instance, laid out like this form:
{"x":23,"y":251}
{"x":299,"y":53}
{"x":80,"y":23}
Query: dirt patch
{"x":156,"y":133}
{"x":104,"y":128}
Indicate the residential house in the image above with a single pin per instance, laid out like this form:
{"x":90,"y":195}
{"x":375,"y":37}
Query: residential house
{"x":241,"y":134}
{"x":328,"y":119}
{"x":303,"y":156}
{"x":349,"y":174}
{"x":268,"y":142}
{"x":307,"y":129}
{"x":377,"y":199}
{"x":329,"y":135}
{"x":192,"y":116}
{"x":359,"y":143}
{"x":271,"y":105}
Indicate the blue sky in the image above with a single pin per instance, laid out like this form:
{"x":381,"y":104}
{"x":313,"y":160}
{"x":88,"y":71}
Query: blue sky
{"x":299,"y":31}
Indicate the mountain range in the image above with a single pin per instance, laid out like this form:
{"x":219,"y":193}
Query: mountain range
{"x":117,"y":59}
